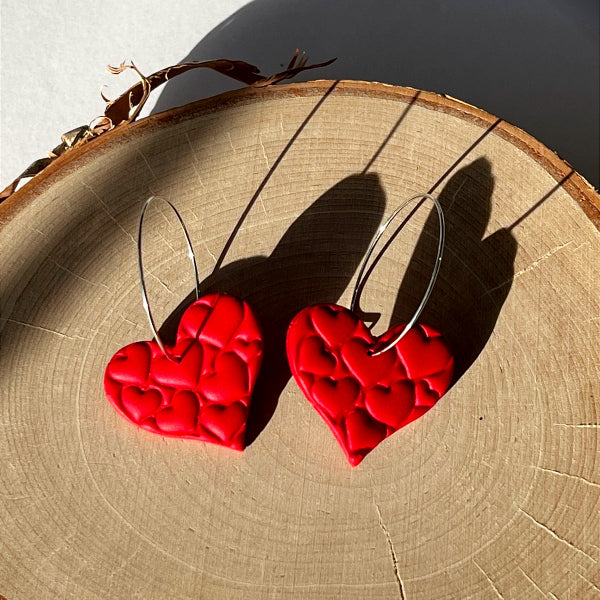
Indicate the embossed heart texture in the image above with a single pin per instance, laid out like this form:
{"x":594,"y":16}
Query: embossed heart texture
{"x":365,"y":398}
{"x":203,"y":390}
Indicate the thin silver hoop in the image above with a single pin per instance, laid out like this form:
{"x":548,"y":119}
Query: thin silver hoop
{"x":434,"y":274}
{"x":191,"y":256}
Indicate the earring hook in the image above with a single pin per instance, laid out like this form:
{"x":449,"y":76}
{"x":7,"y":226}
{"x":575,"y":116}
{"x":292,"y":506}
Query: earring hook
{"x":436,"y":268}
{"x":191,"y":256}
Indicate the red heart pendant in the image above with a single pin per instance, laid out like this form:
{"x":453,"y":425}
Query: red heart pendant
{"x":203,"y":389}
{"x":365,"y":398}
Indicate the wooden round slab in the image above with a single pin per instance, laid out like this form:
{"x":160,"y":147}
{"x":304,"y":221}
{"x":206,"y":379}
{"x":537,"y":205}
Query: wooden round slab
{"x":494,"y":493}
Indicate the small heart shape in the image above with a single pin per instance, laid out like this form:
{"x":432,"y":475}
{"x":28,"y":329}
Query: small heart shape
{"x":247,"y":350}
{"x":363,"y":433}
{"x":226,"y":423}
{"x":183,"y":371}
{"x":425,"y":398}
{"x":366,"y":368}
{"x":193,"y":319}
{"x":334,"y":326}
{"x":336,"y":397}
{"x":181,"y":416}
{"x":391,"y":405}
{"x":223,"y":321}
{"x":215,"y":360}
{"x":228,"y":382}
{"x":416,"y":344}
{"x":314,"y":359}
{"x":365,"y":398}
{"x":131,"y":364}
{"x":140,"y":404}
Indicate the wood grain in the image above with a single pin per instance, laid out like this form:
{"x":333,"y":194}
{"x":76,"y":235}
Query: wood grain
{"x":495,"y":493}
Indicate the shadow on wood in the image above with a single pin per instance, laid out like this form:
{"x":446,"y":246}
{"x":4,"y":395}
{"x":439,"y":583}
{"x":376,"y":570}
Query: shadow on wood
{"x":313,"y":262}
{"x":476,"y":273}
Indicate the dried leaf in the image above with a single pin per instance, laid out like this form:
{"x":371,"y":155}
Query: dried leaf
{"x":99,"y":125}
{"x":119,"y":110}
{"x":290,"y":73}
{"x":75,"y":135}
{"x":128,"y":105}
{"x":117,"y":70}
{"x":107,"y":100}
{"x":33,"y":169}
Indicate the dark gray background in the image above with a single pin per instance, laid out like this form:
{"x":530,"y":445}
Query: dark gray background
{"x":534,"y":63}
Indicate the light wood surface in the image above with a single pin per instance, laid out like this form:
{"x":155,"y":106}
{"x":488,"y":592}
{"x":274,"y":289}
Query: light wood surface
{"x":495,"y":493}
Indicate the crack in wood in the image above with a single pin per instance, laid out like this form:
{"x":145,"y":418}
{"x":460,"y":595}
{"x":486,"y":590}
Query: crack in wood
{"x":556,"y":536}
{"x":195,"y":157}
{"x":231,"y":142}
{"x":160,"y":281}
{"x":147,"y":164}
{"x":489,"y":580}
{"x":105,"y":207}
{"x":582,"y":425}
{"x":591,"y":583}
{"x":46,"y":329}
{"x":80,"y":277}
{"x":533,"y":583}
{"x":570,"y":475}
{"x":393,"y":556}
{"x":534,"y":265}
{"x":264,"y":153}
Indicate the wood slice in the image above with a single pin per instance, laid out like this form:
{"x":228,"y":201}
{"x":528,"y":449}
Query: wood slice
{"x":494,"y":493}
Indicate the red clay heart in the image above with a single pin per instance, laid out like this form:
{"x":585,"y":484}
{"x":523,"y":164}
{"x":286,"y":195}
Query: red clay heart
{"x":365,"y":398}
{"x":203,"y":390}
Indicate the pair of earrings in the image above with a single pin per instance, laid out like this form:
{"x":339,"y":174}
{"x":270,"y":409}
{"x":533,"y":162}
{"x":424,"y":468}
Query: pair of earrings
{"x":365,"y":388}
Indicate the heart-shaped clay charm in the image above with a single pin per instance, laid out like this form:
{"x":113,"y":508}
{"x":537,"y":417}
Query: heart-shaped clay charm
{"x":202,"y":390}
{"x":365,"y":398}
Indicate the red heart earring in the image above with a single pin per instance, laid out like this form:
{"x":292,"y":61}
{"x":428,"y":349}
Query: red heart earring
{"x":366,"y":388}
{"x":201,"y":387}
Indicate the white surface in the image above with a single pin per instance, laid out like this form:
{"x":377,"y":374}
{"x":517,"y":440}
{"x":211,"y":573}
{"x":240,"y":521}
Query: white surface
{"x":54,"y":54}
{"x":534,"y":63}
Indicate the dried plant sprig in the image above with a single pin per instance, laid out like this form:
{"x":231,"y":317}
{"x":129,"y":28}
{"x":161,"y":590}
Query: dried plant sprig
{"x":126,"y":108}
{"x":146,"y":89}
{"x":119,"y":110}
